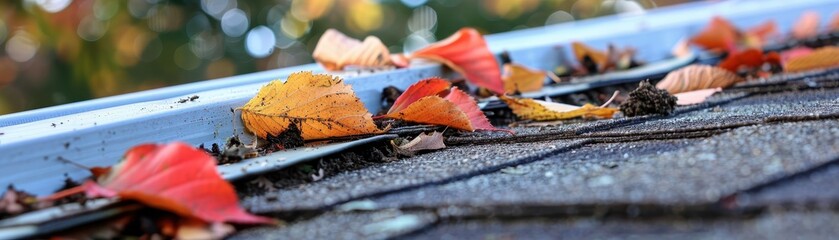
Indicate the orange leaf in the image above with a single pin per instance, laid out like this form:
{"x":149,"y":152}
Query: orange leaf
{"x":431,"y":101}
{"x":807,"y":25}
{"x":426,"y":87}
{"x":175,"y":177}
{"x":696,"y":96}
{"x":518,"y":78}
{"x":467,"y":105}
{"x":697,"y":76}
{"x":321,"y":106}
{"x":530,"y":109}
{"x":335,"y":51}
{"x":764,"y":31}
{"x":833,"y":26}
{"x":581,"y":51}
{"x":467,"y":53}
{"x":436,"y":111}
{"x":825,"y":57}
{"x":719,"y":35}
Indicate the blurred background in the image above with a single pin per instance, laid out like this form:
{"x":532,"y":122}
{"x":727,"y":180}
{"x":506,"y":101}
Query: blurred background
{"x":60,"y":51}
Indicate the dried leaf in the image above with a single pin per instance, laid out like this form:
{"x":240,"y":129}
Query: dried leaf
{"x":530,"y":109}
{"x":426,"y":87}
{"x":697,"y":76}
{"x":422,"y":142}
{"x":429,"y":102}
{"x":795,"y":53}
{"x":335,"y":51}
{"x":467,"y":53}
{"x":749,"y":59}
{"x":436,"y":111}
{"x":518,"y":78}
{"x":680,"y":49}
{"x":833,"y":26}
{"x":719,"y":35}
{"x":825,"y":57}
{"x":581,"y":51}
{"x":321,"y":106}
{"x":467,"y":104}
{"x":696,"y":96}
{"x":175,"y":177}
{"x":764,"y":31}
{"x":806,"y":26}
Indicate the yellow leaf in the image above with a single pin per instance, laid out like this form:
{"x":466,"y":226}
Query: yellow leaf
{"x":530,"y":109}
{"x":321,"y":105}
{"x":825,"y":57}
{"x":518,"y":78}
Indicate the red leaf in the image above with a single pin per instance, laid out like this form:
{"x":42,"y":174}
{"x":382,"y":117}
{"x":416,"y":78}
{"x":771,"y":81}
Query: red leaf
{"x":468,"y":105}
{"x":425,"y":87}
{"x":719,"y":35}
{"x":467,"y":53}
{"x":175,"y":177}
{"x":751,"y":58}
{"x":433,"y":101}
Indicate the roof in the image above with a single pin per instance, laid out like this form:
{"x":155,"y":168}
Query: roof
{"x":755,"y":161}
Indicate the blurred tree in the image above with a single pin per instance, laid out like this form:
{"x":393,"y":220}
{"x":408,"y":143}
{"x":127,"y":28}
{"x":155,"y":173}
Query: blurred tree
{"x":61,"y":51}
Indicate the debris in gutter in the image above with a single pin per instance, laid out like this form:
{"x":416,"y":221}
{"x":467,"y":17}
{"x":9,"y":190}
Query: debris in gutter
{"x":647,"y":99}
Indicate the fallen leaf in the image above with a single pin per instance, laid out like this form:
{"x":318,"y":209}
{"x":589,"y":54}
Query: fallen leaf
{"x":718,"y":35}
{"x":680,"y":49}
{"x":518,"y":78}
{"x":807,"y":25}
{"x":697,"y":76}
{"x":14,"y":202}
{"x":191,"y":229}
{"x":467,"y":105}
{"x":764,"y":31}
{"x":530,"y":109}
{"x":422,"y":142}
{"x":750,"y":60}
{"x":175,"y":177}
{"x":423,"y":88}
{"x":581,"y":51}
{"x":696,"y":96}
{"x":824,"y":57}
{"x":321,"y":106}
{"x":433,"y":101}
{"x":467,"y":53}
{"x":833,"y":26}
{"x":795,"y":53}
{"x":335,"y":51}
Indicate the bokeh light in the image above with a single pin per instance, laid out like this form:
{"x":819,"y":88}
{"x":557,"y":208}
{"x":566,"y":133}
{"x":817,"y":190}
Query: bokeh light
{"x":59,"y":51}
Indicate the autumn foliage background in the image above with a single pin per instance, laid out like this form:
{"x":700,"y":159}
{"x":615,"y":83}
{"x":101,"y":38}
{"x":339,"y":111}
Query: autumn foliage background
{"x":60,"y":51}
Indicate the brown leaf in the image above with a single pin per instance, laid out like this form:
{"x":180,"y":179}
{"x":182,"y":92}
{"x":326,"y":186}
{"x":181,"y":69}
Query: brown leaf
{"x":518,"y":78}
{"x":697,"y":76}
{"x":825,"y":57}
{"x":321,"y":105}
{"x":422,"y":142}
{"x":581,"y":51}
{"x":335,"y":51}
{"x":696,"y":96}
{"x":530,"y":109}
{"x":807,"y":25}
